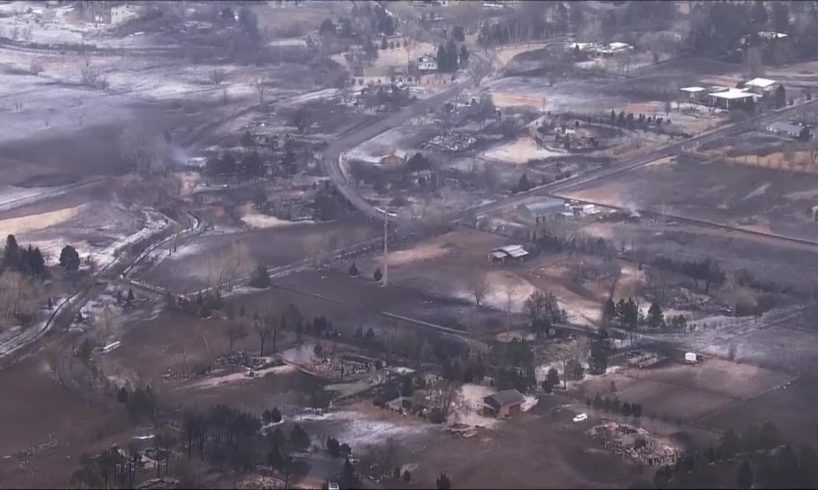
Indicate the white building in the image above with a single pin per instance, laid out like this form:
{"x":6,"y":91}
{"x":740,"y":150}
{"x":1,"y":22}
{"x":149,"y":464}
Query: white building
{"x":694,"y":93}
{"x":732,"y":98}
{"x":761,"y":86}
{"x":427,"y":62}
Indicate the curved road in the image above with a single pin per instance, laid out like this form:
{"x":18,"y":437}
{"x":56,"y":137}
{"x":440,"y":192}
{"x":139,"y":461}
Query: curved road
{"x":334,"y":152}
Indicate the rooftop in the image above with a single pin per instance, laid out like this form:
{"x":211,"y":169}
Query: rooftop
{"x":693,"y":90}
{"x":548,"y":205}
{"x":503,"y":398}
{"x":760,"y":83}
{"x":784,"y":126}
{"x":514,"y":251}
{"x":732,"y":94}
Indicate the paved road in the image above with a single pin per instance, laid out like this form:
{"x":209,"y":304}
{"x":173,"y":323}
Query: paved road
{"x":335,"y":150}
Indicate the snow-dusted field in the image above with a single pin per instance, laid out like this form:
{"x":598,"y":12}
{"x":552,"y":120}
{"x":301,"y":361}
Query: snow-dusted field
{"x":98,"y":230}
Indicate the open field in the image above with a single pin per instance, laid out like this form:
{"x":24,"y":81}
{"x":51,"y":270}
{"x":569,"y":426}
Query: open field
{"x":786,"y":406}
{"x":518,"y":453}
{"x":203,"y":259}
{"x":738,"y":195}
{"x":40,"y":447}
{"x":688,"y":393}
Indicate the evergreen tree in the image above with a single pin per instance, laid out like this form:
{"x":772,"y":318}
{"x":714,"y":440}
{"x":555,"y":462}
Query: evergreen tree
{"x":780,"y":97}
{"x":442,"y":58}
{"x":553,"y":376}
{"x":11,"y":253}
{"x":655,"y":316}
{"x":744,"y":478}
{"x":348,"y":477}
{"x":598,"y":361}
{"x":608,"y":311}
{"x":729,"y":444}
{"x":443,"y":482}
{"x":69,"y":259}
{"x":451,"y":55}
{"x":523,"y":184}
{"x":464,"y":55}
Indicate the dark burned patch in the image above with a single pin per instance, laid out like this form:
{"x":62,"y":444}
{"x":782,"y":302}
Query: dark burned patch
{"x":48,"y":180}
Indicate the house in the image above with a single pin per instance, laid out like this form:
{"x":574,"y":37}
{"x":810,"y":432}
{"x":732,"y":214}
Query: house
{"x":121,"y":13}
{"x":106,"y":11}
{"x":540,"y":211}
{"x":733,"y":98}
{"x":393,"y":159}
{"x":761,"y":86}
{"x":508,"y":253}
{"x":789,"y":129}
{"x":427,"y":62}
{"x":503,"y":403}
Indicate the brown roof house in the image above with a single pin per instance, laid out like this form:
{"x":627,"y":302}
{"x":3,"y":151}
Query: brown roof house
{"x":503,"y":403}
{"x":394,"y":158}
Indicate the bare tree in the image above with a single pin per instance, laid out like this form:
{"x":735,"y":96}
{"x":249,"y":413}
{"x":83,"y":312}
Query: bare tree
{"x":259,"y":83}
{"x":569,"y":353}
{"x":446,"y":398}
{"x":510,"y":290}
{"x":36,"y":67}
{"x":16,"y":296}
{"x":235,"y":332}
{"x":389,"y":455}
{"x":111,"y":320}
{"x":217,"y":76}
{"x":91,"y":77}
{"x":228,"y":266}
{"x":263,"y":329}
{"x":479,"y":287}
{"x":753,"y":64}
{"x":27,"y":33}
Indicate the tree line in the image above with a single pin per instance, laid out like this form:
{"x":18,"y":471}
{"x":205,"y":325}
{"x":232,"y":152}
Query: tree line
{"x":757,"y":456}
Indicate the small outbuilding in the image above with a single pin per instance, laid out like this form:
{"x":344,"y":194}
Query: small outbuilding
{"x":503,"y":403}
{"x":509,"y":253}
{"x":695,"y":94}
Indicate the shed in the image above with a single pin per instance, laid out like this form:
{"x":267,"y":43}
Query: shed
{"x":503,"y":403}
{"x":508,"y":253}
{"x":694,"y":93}
{"x":540,"y":211}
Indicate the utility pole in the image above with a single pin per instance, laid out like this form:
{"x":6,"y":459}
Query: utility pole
{"x":385,"y":248}
{"x":386,"y":215}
